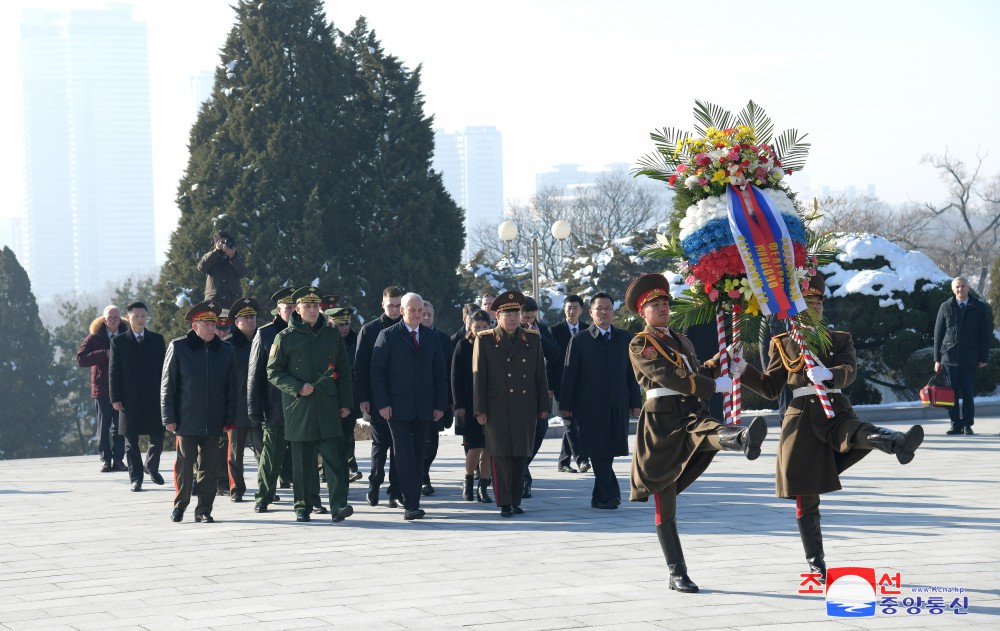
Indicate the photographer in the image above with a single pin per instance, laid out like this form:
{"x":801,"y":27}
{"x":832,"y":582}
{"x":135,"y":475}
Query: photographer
{"x":223,"y":268}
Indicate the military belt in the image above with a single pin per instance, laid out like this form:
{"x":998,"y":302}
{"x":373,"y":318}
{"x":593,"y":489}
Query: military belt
{"x":805,"y":391}
{"x":663,"y":392}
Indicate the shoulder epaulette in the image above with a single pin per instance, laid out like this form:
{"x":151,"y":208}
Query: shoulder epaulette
{"x":532,"y":331}
{"x":780,"y":335}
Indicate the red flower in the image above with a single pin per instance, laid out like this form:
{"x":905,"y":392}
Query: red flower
{"x":673,"y":179}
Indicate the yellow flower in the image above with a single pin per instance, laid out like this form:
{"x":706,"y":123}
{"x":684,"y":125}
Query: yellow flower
{"x":719,"y":176}
{"x":752,"y":307}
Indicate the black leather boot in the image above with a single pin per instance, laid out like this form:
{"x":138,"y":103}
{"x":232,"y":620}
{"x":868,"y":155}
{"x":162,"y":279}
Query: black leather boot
{"x":670,"y":543}
{"x":467,"y":489}
{"x":892,"y":442}
{"x":812,"y":543}
{"x":745,"y":438}
{"x":484,"y":487}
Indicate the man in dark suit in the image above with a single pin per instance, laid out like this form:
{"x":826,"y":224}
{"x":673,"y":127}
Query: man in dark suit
{"x":381,"y":436}
{"x":600,"y":393}
{"x":434,"y":433}
{"x":563,"y":332}
{"x":244,"y":316}
{"x":135,"y":369}
{"x":409,"y":390}
{"x":553,"y":368}
{"x":961,"y":347}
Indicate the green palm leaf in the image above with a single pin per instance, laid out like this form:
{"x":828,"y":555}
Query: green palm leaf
{"x":710,"y":115}
{"x":791,"y":150}
{"x":754,"y":116}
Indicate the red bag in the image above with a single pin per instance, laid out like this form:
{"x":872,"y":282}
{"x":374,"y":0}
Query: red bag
{"x":937,"y":396}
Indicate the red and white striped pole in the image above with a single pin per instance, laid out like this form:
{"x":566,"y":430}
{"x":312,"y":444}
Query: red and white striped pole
{"x":720,"y":325}
{"x":737,"y":376}
{"x":824,"y":398}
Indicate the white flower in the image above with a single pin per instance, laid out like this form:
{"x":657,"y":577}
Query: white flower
{"x":777,"y":173}
{"x":691,"y":181}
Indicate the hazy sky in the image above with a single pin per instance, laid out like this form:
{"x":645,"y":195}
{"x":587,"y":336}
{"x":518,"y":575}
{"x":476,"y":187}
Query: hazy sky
{"x":876,"y":84}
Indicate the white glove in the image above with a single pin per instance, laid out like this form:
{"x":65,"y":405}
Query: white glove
{"x":819,"y":374}
{"x":724,"y":384}
{"x":736,"y":358}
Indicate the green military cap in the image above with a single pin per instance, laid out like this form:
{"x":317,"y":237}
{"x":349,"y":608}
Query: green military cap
{"x":307,"y":294}
{"x":207,"y":311}
{"x":283,"y":295}
{"x":507,"y":301}
{"x":340,"y":315}
{"x":244,"y":307}
{"x":329,"y":301}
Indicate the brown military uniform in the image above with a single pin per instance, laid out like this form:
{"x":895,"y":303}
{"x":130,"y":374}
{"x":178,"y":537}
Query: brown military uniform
{"x":671,"y":444}
{"x":812,"y":450}
{"x":510,"y":388}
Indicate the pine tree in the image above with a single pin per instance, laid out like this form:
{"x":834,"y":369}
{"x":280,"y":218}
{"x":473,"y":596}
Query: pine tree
{"x":29,"y":425}
{"x":267,"y":158}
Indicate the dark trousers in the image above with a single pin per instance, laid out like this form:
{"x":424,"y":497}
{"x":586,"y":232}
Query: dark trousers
{"x":275,"y":457}
{"x":237,"y":445}
{"x":963,"y":381}
{"x":508,"y":479}
{"x":431,"y":451}
{"x":541,"y":427}
{"x":197,"y":459}
{"x":305,"y":476}
{"x":408,"y":441}
{"x":256,"y":440}
{"x":222,"y":475}
{"x":133,"y":455}
{"x":382,"y":446}
{"x":110,"y":444}
{"x":605,"y":483}
{"x":571,"y":444}
{"x":347,"y":425}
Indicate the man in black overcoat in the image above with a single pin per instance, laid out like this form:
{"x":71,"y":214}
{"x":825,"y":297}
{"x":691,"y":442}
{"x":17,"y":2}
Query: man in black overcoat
{"x":135,"y":368}
{"x":563,"y":332}
{"x":600,"y":393}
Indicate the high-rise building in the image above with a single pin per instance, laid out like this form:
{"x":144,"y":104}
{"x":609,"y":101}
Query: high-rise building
{"x":471,"y":164}
{"x":88,"y":148}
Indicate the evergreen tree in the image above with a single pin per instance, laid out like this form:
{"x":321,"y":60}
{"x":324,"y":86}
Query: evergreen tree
{"x":405,"y":229}
{"x":268,"y":159}
{"x":29,"y":424}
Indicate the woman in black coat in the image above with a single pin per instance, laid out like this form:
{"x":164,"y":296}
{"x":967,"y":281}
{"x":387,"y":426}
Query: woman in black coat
{"x":471,"y":431}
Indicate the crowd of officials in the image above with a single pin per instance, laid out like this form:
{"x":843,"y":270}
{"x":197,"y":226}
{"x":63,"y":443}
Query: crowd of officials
{"x":295,"y":388}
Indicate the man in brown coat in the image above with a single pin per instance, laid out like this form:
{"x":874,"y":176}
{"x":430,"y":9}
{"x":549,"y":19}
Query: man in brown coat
{"x":813,"y":450}
{"x":676,"y":438}
{"x":509,"y":392}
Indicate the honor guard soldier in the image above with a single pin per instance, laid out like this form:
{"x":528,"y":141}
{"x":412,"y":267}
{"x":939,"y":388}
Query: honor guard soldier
{"x":676,"y":438}
{"x":510,"y":391}
{"x":198,"y":403}
{"x":308,"y":363}
{"x":814,"y":450}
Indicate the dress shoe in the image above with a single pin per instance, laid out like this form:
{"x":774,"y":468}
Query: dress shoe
{"x":260,"y":507}
{"x":107,"y":468}
{"x":968,"y":431}
{"x":236,"y":497}
{"x":119,"y":466}
{"x":567,"y":469}
{"x":221,"y":492}
{"x":355,"y":476}
{"x":954,"y":431}
{"x":410,"y":515}
{"x":136,"y":487}
{"x":342,"y":513}
{"x":585,"y":466}
{"x":204,"y":518}
{"x":427,"y":489}
{"x":176,"y":514}
{"x":517,"y":510}
{"x":285,"y":485}
{"x":320,"y":510}
{"x":155,"y":477}
{"x":277,"y":498}
{"x":372,"y":497}
{"x":302,"y":517}
{"x":506,"y":511}
{"x":395,"y":503}
{"x":606,"y":505}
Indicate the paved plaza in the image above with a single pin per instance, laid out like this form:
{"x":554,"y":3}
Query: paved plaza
{"x":79,"y":551}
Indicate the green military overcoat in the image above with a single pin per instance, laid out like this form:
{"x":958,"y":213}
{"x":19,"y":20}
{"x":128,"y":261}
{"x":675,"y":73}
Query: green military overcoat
{"x":812,"y":450}
{"x":671,"y":428}
{"x":302,"y":354}
{"x":510,"y":388}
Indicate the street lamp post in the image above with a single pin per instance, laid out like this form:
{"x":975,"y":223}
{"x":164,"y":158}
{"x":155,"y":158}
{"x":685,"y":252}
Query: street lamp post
{"x":507,"y":232}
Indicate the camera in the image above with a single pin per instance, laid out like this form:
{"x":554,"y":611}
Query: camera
{"x":229,"y":243}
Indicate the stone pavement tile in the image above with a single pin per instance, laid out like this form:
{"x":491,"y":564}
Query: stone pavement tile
{"x":283,"y":625}
{"x":548,"y":624}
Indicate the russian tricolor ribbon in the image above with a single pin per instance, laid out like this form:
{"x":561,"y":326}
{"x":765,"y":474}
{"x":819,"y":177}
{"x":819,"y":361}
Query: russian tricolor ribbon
{"x":765,"y":247}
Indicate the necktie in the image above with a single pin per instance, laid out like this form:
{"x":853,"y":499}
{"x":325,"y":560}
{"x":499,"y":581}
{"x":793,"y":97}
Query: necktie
{"x":572,"y":331}
{"x":138,"y":338}
{"x":416,"y":344}
{"x":607,"y":337}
